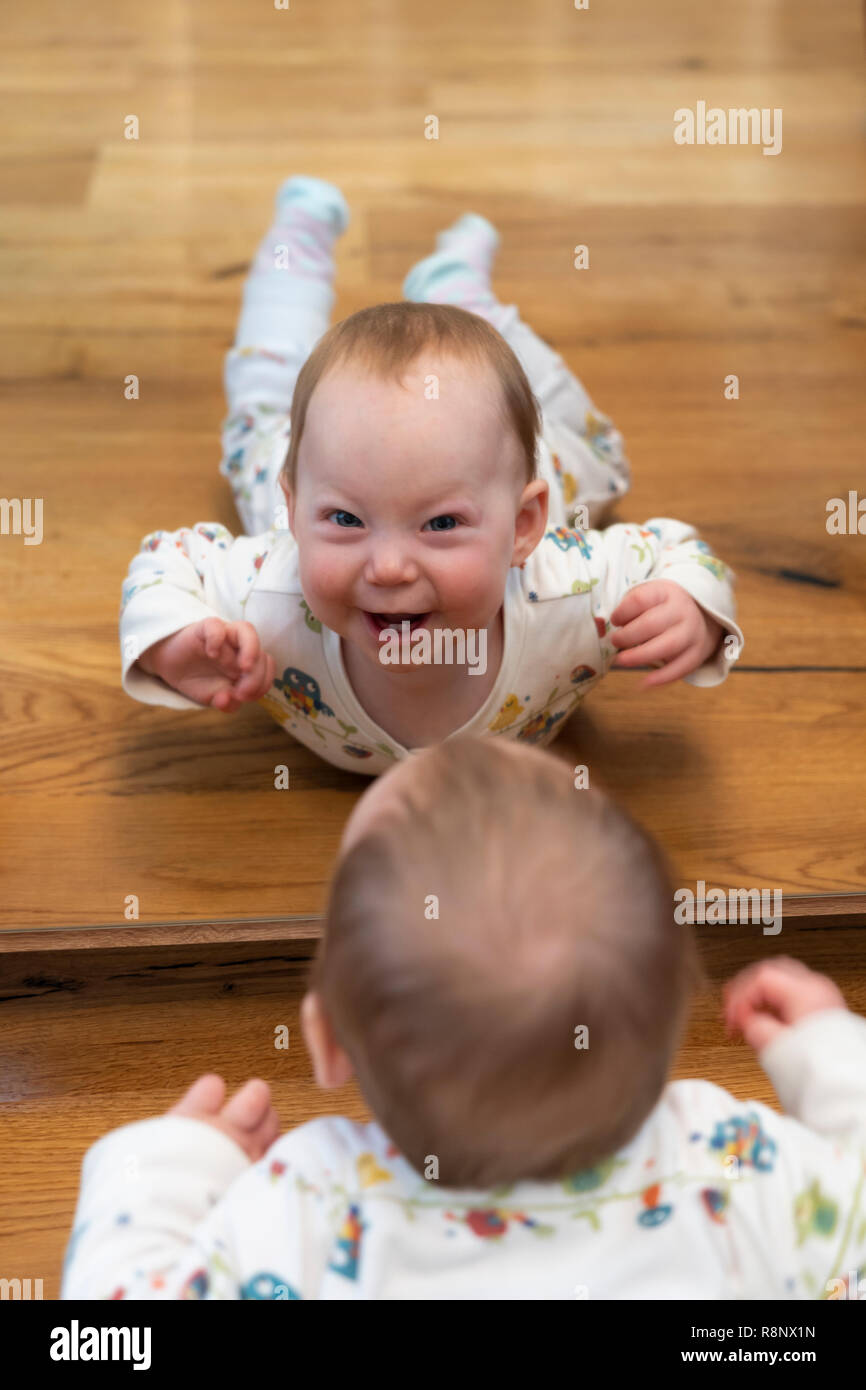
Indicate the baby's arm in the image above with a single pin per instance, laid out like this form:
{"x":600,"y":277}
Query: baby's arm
{"x":668,"y":599}
{"x":811,"y":1046}
{"x":807,"y":1194}
{"x":171,"y":1207}
{"x":183,"y":640}
{"x":144,"y":1225}
{"x":213,"y":663}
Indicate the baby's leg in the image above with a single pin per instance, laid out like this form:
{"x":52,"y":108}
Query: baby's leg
{"x":590,"y":467}
{"x":287,"y":302}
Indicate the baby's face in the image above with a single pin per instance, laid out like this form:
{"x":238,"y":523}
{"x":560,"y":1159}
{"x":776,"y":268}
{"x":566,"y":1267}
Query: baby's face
{"x":405,"y":507}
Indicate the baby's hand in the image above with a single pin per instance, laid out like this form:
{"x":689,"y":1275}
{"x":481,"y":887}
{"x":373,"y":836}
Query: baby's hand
{"x":248,"y":1118}
{"x":764,"y":999}
{"x":659,"y":621}
{"x":213,"y":662}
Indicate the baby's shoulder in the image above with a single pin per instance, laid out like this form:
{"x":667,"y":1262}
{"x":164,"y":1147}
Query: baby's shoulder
{"x":565,"y":562}
{"x":711,"y":1123}
{"x":273,"y":560}
{"x":337,"y":1148}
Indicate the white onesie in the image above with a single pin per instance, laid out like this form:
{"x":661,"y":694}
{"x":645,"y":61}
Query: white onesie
{"x":714,"y":1198}
{"x":557,"y":609}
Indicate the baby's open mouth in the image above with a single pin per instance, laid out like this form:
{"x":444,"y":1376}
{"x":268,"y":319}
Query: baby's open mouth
{"x":380,"y":621}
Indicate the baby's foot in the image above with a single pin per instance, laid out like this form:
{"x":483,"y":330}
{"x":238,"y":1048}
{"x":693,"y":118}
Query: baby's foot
{"x":459,"y":269}
{"x":321,"y":200}
{"x":473,"y":239}
{"x":310,"y":215}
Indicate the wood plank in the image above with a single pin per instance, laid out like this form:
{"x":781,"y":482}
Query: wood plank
{"x":180,"y":809}
{"x":300,"y":934}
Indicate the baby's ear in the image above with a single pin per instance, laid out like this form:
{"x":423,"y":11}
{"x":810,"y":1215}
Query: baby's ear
{"x":289,"y":496}
{"x":531,"y":520}
{"x":332,"y":1066}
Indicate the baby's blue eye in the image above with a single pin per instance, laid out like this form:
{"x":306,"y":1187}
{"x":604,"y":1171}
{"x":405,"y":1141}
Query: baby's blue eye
{"x":450,"y":521}
{"x":352,"y":521}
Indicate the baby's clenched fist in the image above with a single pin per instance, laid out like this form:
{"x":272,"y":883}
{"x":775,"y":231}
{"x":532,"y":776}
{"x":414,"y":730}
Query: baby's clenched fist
{"x":766,"y":998}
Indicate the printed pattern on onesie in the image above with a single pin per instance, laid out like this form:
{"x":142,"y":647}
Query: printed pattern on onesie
{"x":713,"y":1197}
{"x":557,"y":615}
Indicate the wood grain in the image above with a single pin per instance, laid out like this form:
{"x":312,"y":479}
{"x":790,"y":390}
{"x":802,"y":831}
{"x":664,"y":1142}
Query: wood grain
{"x":123,"y":257}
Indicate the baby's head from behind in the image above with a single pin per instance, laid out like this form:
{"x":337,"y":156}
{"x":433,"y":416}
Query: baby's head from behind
{"x":500,"y":965}
{"x":410,"y":475}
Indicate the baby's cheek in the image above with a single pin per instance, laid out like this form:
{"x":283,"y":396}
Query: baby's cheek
{"x":325,"y":579}
{"x":470,"y":582}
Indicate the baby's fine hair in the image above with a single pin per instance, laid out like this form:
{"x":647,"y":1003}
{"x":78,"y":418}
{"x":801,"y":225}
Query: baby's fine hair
{"x":387,"y":339}
{"x":501,"y":962}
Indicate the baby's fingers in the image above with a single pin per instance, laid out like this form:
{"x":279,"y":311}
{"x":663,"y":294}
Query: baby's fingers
{"x":255,"y":682}
{"x":763,"y":988}
{"x":211,"y":636}
{"x":204,"y":1097}
{"x":664,"y":647}
{"x":249,"y":1106}
{"x":244,"y":637}
{"x":652,"y":623}
{"x":737,"y":993}
{"x":216,"y":645}
{"x":639,"y":600}
{"x":674,"y":670}
{"x":225,"y":700}
{"x":269,"y":1132}
{"x":251,"y":1118}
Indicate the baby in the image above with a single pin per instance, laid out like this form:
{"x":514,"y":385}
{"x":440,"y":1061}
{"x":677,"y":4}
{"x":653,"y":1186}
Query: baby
{"x":501,"y":970}
{"x":436,"y":486}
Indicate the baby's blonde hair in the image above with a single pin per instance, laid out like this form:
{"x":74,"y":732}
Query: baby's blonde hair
{"x":486,"y":916}
{"x":386,"y":339}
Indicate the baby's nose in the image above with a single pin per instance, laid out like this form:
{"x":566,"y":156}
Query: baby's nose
{"x":392,"y":563}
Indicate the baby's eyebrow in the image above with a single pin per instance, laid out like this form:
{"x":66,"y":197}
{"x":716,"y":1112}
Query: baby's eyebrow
{"x":332,"y":496}
{"x":439,"y":504}
{"x":451,"y":506}
{"x":445,"y":499}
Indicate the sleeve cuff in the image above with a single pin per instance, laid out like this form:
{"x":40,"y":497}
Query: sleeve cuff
{"x":163,"y":1144}
{"x":137,"y":636}
{"x":823,"y":1054}
{"x":715,"y":669}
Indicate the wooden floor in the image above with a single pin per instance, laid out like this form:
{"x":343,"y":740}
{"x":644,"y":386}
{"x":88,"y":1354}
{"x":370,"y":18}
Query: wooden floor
{"x":126,"y":257}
